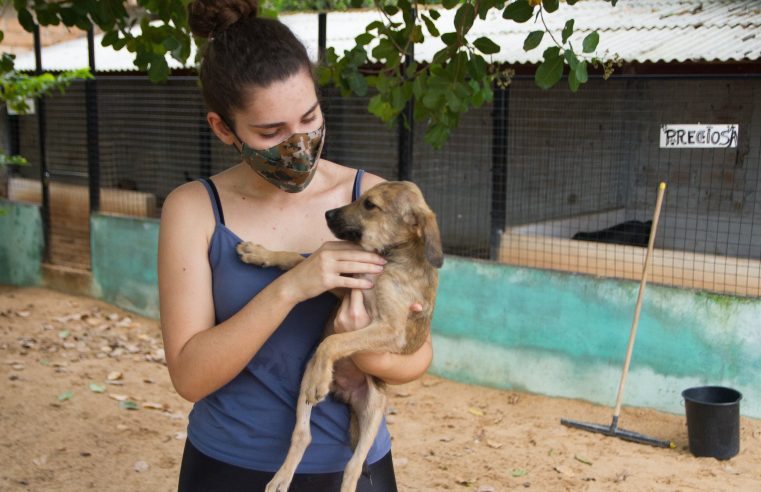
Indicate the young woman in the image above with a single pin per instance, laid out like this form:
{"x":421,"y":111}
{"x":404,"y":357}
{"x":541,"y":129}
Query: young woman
{"x":237,"y":337}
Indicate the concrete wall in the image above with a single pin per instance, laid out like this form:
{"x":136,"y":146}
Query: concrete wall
{"x":124,"y":253}
{"x":21,"y":243}
{"x":565,"y":335}
{"x":517,"y":328}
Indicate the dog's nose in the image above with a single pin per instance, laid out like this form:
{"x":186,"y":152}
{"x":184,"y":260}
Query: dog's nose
{"x":331,"y":214}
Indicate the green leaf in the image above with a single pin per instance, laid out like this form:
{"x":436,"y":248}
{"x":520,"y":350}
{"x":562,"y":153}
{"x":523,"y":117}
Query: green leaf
{"x":550,"y":5}
{"x":430,"y":26}
{"x":573,"y":82}
{"x":2,"y":36}
{"x":391,"y":9}
{"x":581,"y":72}
{"x":570,"y":57}
{"x":571,"y":2}
{"x":590,"y":42}
{"x":96,"y":388}
{"x":519,"y":11}
{"x":434,"y":14}
{"x":464,"y":18}
{"x":63,"y":334}
{"x":449,"y":4}
{"x":26,"y":20}
{"x":128,"y":405}
{"x":159,"y":69}
{"x":518,"y":472}
{"x":110,"y":38}
{"x":551,"y":70}
{"x":66,"y":395}
{"x":364,"y":39}
{"x":449,"y":38}
{"x":486,"y":46}
{"x":358,"y":84}
{"x":567,"y":30}
{"x":533,"y":40}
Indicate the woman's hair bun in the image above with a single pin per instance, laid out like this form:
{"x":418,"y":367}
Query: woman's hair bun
{"x":208,"y":18}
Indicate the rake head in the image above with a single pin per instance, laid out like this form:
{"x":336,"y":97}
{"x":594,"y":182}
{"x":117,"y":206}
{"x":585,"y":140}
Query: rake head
{"x":614,"y":431}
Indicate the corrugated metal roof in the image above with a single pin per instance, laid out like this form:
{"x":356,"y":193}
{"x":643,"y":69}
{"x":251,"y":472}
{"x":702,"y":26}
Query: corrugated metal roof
{"x":636,"y":30}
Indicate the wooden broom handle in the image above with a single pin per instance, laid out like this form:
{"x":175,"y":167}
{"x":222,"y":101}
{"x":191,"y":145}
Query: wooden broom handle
{"x":643,"y":281}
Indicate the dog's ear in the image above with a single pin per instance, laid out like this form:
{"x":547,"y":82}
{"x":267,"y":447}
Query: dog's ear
{"x":431,"y":238}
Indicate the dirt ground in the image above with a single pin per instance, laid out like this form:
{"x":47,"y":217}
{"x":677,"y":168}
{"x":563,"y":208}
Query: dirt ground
{"x":86,"y":403}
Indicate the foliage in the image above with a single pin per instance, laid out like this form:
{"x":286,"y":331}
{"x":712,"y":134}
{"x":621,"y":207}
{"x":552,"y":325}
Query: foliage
{"x":461,"y":76}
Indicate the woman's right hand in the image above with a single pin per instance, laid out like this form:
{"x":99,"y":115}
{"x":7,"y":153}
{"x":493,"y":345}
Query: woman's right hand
{"x":328,"y":268}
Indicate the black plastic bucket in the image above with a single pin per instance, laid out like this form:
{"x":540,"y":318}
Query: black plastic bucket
{"x":713,"y":421}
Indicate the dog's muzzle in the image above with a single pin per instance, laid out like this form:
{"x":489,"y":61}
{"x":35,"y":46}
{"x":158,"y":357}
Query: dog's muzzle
{"x":339,"y":228}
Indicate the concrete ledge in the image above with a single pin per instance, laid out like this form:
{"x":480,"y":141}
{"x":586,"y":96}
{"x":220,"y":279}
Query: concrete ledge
{"x":67,"y":279}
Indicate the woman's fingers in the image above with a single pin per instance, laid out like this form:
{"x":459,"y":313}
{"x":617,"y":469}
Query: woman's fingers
{"x":358,"y":267}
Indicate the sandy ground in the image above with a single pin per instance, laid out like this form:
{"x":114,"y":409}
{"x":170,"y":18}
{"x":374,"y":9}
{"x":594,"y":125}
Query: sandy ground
{"x":86,"y":403}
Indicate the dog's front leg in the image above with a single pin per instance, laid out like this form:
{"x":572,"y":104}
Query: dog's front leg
{"x":256,"y":254}
{"x":301,"y":438}
{"x":378,"y":336}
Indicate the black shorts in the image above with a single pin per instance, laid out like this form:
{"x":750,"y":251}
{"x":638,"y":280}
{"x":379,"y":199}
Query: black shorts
{"x":204,"y":474}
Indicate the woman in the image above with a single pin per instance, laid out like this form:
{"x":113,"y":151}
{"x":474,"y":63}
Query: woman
{"x":237,"y":337}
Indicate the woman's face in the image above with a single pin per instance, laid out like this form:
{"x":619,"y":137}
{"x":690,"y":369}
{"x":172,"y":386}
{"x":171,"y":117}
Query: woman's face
{"x":278,"y":111}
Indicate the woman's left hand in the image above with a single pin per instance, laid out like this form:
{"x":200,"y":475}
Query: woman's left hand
{"x":352,"y":314}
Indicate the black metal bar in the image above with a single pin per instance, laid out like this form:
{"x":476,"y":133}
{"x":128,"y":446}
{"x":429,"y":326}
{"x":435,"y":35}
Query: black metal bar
{"x":41,"y":130}
{"x":13,"y":134}
{"x":406,"y":128}
{"x":322,"y":35}
{"x":93,"y":136}
{"x":499,"y":168}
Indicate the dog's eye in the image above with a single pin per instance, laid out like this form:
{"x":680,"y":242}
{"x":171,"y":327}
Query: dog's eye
{"x":369,"y":205}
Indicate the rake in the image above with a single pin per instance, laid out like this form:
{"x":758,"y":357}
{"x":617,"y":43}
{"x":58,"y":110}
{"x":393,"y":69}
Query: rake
{"x":612,"y":429}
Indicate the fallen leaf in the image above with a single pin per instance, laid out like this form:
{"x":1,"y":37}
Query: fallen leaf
{"x":463,"y":481}
{"x":446,"y":439}
{"x":96,"y":388}
{"x":141,"y":466}
{"x":494,"y":444}
{"x":114,"y":376}
{"x":128,"y":405}
{"x":66,"y":395}
{"x":182,"y":435}
{"x":476,"y":412}
{"x":485,"y":488}
{"x":18,"y":367}
{"x":117,"y":396}
{"x":40,"y":460}
{"x":23,"y":314}
{"x":582,"y":459}
{"x":121,"y":427}
{"x":518,"y":472}
{"x":150,"y":405}
{"x":564,"y":470}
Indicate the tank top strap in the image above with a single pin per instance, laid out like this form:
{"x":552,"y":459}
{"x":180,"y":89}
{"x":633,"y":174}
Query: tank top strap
{"x":357,"y":184}
{"x":216,"y":205}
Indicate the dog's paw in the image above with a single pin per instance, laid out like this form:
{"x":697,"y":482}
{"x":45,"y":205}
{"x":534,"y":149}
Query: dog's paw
{"x":317,"y":383}
{"x":253,"y":254}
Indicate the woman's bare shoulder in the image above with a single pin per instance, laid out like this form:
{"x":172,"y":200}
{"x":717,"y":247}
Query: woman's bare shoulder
{"x":189,"y":203}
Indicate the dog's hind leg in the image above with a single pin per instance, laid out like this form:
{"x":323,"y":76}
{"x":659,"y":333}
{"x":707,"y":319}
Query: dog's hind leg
{"x":369,"y":409}
{"x":300,"y":439}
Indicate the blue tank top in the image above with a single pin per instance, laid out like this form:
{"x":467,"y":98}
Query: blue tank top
{"x":249,"y":421}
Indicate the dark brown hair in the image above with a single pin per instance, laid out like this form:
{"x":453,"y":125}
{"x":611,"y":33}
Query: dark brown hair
{"x":242,"y":51}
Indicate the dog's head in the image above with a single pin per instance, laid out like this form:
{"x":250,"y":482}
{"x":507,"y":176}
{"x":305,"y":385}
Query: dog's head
{"x":387,"y":216}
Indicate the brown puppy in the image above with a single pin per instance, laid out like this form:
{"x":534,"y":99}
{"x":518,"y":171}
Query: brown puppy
{"x":391,"y":219}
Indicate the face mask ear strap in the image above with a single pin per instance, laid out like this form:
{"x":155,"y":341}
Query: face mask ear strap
{"x":230,"y":128}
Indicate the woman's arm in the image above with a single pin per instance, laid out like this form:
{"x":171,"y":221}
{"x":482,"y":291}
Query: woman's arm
{"x":391,"y":368}
{"x":202,"y":357}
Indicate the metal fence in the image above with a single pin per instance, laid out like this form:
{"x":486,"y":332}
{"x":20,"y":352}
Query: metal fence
{"x":517,"y":181}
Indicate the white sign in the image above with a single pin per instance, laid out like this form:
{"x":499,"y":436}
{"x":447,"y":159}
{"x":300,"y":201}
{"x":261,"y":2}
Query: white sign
{"x":700,"y":136}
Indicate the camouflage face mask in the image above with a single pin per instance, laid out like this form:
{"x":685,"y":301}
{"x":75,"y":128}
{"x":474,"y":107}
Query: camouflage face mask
{"x":291,"y":164}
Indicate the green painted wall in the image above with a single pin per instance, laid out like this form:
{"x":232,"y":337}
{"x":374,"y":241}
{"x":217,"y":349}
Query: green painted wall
{"x":21,"y":243}
{"x":124,"y":253}
{"x":566,"y":335}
